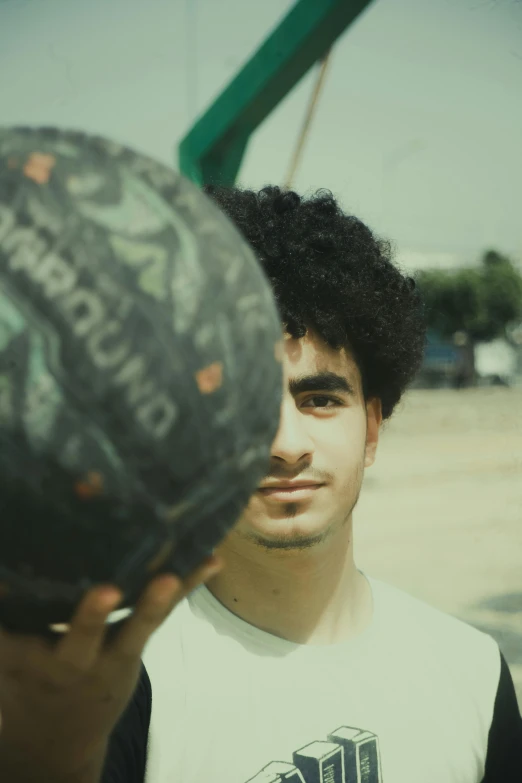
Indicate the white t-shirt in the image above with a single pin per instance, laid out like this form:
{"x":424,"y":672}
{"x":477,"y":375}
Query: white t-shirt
{"x":410,"y":700}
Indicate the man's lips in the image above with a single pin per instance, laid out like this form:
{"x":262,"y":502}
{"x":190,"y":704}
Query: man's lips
{"x":297,"y":491}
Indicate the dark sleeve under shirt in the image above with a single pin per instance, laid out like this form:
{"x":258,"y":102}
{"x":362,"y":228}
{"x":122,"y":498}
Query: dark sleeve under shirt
{"x":127,"y":755}
{"x":504,"y":757}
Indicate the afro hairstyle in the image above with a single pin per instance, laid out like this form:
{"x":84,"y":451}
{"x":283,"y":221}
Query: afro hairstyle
{"x":332,"y":275}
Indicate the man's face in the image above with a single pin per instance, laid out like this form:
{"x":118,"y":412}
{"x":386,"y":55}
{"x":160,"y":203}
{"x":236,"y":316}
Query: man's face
{"x":327,"y":436}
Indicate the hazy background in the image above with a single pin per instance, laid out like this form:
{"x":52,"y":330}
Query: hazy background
{"x":418,"y":131}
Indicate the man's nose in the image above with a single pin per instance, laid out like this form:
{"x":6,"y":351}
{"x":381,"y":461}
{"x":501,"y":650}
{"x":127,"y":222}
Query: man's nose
{"x":293,"y":442}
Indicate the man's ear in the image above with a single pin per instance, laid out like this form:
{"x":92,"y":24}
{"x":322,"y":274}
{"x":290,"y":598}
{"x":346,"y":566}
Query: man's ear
{"x":373,"y":427}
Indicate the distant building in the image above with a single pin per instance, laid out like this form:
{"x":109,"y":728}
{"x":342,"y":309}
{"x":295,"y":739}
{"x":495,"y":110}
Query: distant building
{"x":496,"y":362}
{"x":441,"y":364}
{"x":446,"y":364}
{"x":412,"y":260}
{"x":415,"y":260}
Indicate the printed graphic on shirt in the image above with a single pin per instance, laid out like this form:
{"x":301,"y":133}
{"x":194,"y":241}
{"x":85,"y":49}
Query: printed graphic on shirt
{"x":348,"y":755}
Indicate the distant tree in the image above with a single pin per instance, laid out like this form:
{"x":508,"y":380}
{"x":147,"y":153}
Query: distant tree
{"x":479,"y":304}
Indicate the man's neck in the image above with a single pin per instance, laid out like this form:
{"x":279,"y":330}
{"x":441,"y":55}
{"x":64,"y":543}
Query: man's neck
{"x":309,"y":597}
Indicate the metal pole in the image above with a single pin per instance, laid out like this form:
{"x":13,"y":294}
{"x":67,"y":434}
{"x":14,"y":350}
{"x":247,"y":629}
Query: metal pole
{"x":312,"y":106}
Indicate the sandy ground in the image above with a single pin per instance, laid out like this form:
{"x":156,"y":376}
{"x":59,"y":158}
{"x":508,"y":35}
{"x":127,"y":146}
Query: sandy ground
{"x":440,"y":513}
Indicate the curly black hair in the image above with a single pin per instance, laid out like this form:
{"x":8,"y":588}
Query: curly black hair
{"x":331,"y":274}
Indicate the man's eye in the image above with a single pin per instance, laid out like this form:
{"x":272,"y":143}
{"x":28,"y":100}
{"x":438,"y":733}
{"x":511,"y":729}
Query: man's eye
{"x":321,"y":401}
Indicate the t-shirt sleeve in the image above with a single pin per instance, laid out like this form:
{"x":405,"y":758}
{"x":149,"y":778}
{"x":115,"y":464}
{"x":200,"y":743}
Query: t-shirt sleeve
{"x":127,"y":754}
{"x":504,"y":754}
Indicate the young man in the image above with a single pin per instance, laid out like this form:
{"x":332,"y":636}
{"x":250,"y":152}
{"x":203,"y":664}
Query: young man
{"x":290,"y":664}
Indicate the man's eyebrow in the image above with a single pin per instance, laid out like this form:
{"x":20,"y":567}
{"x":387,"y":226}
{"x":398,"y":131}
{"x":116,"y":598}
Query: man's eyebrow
{"x":321,"y":381}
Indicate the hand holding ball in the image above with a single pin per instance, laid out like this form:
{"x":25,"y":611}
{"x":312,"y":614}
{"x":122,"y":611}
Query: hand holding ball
{"x":140,"y":376}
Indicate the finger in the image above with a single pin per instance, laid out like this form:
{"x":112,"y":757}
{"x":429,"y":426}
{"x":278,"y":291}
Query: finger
{"x":14,"y":650}
{"x":81,"y":645}
{"x":157,"y":602}
{"x":209,"y":568}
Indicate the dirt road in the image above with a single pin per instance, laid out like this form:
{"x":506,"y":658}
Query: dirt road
{"x":440,"y":513}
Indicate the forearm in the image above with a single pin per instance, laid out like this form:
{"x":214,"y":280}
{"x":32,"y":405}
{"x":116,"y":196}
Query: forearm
{"x":20,"y":765}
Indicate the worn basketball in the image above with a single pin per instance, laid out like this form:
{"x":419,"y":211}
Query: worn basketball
{"x":140,"y":373}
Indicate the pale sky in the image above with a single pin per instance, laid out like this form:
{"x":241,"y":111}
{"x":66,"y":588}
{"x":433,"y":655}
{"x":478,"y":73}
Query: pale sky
{"x":418,"y":131}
